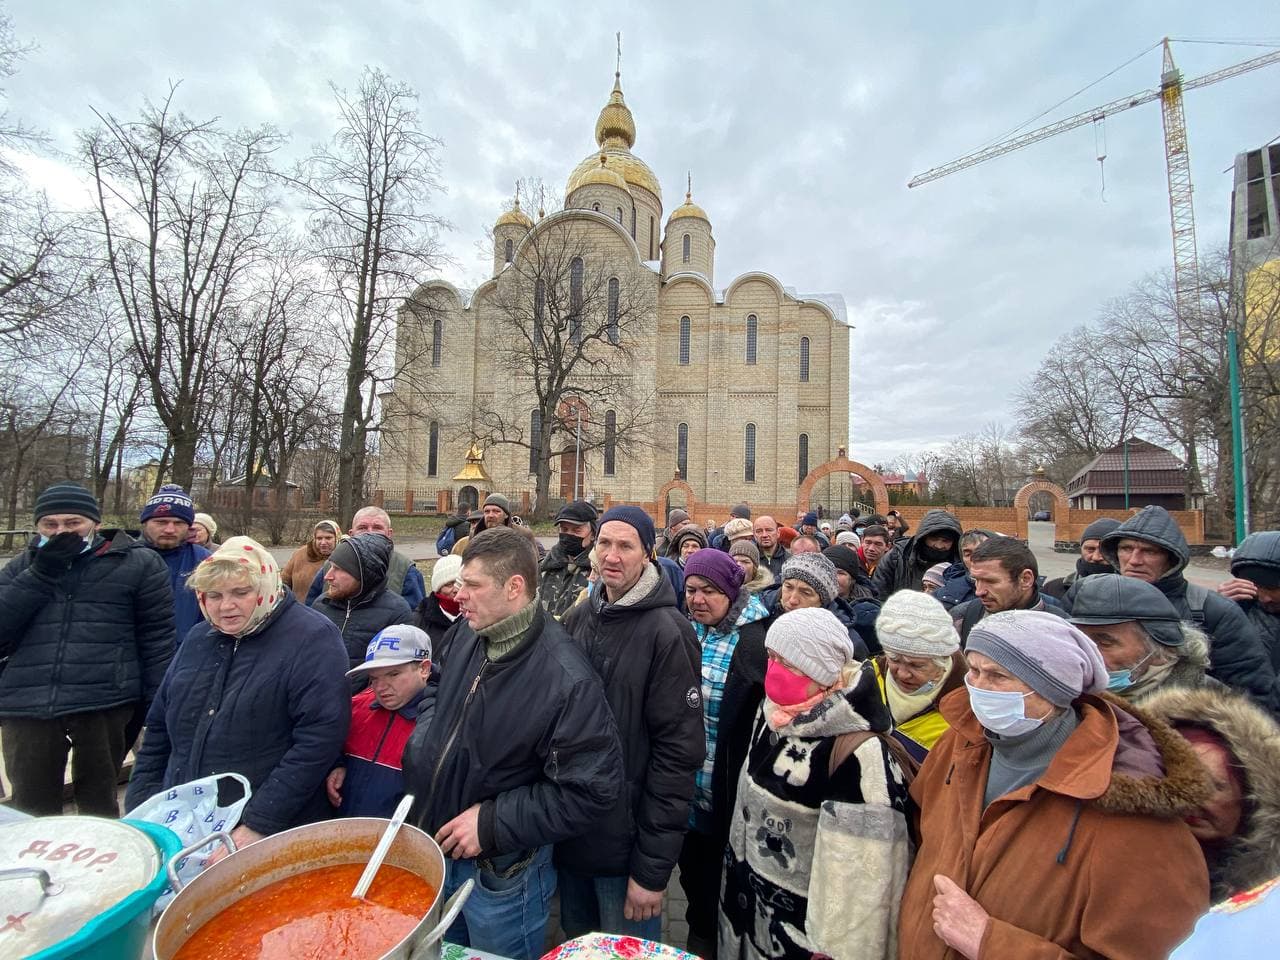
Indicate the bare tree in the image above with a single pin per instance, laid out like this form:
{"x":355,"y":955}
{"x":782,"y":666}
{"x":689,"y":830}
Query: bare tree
{"x":566,"y":329}
{"x":367,"y":193}
{"x":183,"y":214}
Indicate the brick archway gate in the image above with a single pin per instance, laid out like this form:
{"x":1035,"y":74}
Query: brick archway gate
{"x":660,"y":503}
{"x":842,"y":464}
{"x":1061,"y":506}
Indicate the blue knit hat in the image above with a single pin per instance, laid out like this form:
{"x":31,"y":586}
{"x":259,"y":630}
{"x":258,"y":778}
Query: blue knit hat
{"x":634,"y":517}
{"x":169,"y":501}
{"x":68,"y":498}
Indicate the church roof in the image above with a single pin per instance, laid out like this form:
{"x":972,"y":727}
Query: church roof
{"x":616,"y":135}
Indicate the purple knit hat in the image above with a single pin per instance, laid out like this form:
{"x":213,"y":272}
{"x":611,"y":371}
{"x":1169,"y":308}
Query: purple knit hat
{"x":717,"y":568}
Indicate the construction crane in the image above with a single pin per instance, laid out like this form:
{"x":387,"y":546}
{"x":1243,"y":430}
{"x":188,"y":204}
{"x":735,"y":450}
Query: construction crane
{"x":1186,"y":266}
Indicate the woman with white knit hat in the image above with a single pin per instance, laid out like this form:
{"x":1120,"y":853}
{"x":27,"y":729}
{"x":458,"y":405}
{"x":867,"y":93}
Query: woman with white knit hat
{"x":921,"y":663}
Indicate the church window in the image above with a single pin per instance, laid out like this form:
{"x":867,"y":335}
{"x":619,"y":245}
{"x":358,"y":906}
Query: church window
{"x":539,"y":307}
{"x":804,"y":359}
{"x":804,"y":456}
{"x":433,"y":448}
{"x":749,"y":458}
{"x":575,"y":300}
{"x":751,"y":338}
{"x":437,"y":336}
{"x":595,"y":207}
{"x":653,"y":236}
{"x":619,"y":216}
{"x":509,"y":251}
{"x":684,"y":339}
{"x":687,"y":243}
{"x":682,"y":450}
{"x":610,"y":442}
{"x":633,"y":223}
{"x":613,"y":311}
{"x":535,"y":439}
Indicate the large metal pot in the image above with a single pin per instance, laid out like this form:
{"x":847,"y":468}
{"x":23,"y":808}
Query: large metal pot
{"x":307,"y":848}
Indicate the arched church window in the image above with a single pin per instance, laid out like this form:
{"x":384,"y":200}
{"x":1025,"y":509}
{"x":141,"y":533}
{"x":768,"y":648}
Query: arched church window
{"x":509,"y":251}
{"x":613,"y":311}
{"x":595,"y":207}
{"x":610,"y":442}
{"x":433,"y":448}
{"x":535,"y":439}
{"x":633,"y":223}
{"x":575,"y":300}
{"x":688,"y":242}
{"x":749,"y":454}
{"x":752,"y":325}
{"x":804,"y":359}
{"x":682,"y":450}
{"x":653,"y":237}
{"x":619,"y":216}
{"x":437,"y":337}
{"x":804,"y":456}
{"x":684,"y":339}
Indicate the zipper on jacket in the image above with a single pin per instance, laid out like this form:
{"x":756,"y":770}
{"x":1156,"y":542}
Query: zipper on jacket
{"x":386,"y":731}
{"x":453,"y":732}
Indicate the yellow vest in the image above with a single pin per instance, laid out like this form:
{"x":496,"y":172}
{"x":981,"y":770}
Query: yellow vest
{"x":924,"y":728}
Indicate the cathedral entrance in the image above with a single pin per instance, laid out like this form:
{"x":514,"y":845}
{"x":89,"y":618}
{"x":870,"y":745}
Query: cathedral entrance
{"x":468,"y":499}
{"x":571,"y":463}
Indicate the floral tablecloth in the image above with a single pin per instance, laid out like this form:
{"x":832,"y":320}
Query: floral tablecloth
{"x":607,"y":946}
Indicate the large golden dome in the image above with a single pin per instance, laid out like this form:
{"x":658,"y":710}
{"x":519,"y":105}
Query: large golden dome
{"x":603,"y":175}
{"x":616,"y":135}
{"x":515,"y":216}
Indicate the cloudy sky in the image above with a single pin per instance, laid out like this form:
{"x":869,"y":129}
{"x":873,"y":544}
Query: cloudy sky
{"x":801,"y":123}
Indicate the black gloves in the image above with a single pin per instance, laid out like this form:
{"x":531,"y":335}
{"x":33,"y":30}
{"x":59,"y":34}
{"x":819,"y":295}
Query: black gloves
{"x":54,"y":558}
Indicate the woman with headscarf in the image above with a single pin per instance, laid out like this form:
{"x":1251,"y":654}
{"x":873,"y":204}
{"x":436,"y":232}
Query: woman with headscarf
{"x":203,"y":530}
{"x":819,"y":795}
{"x":301,"y":568}
{"x":921,"y":664}
{"x":259,"y":690}
{"x":687,"y":541}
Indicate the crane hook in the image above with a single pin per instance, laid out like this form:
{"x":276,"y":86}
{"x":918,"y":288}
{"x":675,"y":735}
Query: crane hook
{"x":1100,"y":150}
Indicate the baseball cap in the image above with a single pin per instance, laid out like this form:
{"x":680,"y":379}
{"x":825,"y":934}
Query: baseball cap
{"x":394,"y":645}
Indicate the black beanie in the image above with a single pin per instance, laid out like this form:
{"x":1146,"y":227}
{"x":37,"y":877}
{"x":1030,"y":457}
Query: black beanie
{"x":67,"y":498}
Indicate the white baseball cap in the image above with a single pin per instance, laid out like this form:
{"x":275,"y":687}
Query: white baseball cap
{"x":394,"y":645}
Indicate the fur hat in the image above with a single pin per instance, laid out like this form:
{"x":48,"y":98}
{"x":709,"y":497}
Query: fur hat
{"x":916,"y":625}
{"x":812,"y":640}
{"x":445,"y":571}
{"x":815,"y":570}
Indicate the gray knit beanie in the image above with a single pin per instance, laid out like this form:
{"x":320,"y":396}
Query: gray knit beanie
{"x":1044,"y":651}
{"x":815,"y":570}
{"x":812,"y":640}
{"x":916,"y":625}
{"x":745,"y":548}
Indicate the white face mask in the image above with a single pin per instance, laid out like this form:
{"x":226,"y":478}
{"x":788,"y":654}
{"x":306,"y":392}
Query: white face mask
{"x":1002,"y":712}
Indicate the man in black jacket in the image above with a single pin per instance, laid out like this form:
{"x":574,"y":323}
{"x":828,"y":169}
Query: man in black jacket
{"x":612,"y":878}
{"x":1005,"y":577}
{"x":523,"y":751}
{"x":1255,"y":586}
{"x":937,"y":541}
{"x":86,"y":625}
{"x":567,"y":566}
{"x":1151,"y":547}
{"x":356,"y":597}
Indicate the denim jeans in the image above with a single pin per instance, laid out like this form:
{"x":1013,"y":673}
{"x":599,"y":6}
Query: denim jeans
{"x":590,"y":904}
{"x":508,"y":908}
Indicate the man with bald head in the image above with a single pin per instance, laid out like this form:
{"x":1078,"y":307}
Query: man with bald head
{"x":402,"y":576}
{"x":772,"y":552}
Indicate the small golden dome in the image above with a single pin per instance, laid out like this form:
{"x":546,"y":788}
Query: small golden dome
{"x":602,"y":175}
{"x":688,"y":209}
{"x":515,"y":217}
{"x":615,"y":125}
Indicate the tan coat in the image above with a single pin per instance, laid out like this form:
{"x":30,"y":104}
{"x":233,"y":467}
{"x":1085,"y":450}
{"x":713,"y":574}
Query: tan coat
{"x":1090,"y":861}
{"x":300,"y":569}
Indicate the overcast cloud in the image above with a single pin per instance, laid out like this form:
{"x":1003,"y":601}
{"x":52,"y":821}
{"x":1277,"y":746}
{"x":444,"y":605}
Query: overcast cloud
{"x":800,"y":122}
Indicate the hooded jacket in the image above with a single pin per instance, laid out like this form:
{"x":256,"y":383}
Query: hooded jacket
{"x":373,"y":607}
{"x":273,"y":706}
{"x":1253,"y":856}
{"x":696,"y":533}
{"x":903,"y":568}
{"x":98,"y":636}
{"x":1063,"y":866}
{"x":1236,"y":653}
{"x":402,"y":578}
{"x":1263,"y":550}
{"x":802,"y":831}
{"x":561,"y":578}
{"x":180,"y":562}
{"x":528,"y":737}
{"x":957,"y":586}
{"x":647,"y":657}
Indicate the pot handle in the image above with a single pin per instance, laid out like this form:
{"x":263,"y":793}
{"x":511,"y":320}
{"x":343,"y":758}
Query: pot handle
{"x":171,"y":868}
{"x":47,"y":886}
{"x":451,"y":910}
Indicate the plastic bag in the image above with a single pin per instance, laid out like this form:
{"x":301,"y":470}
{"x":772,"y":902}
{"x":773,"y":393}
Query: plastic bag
{"x":191,"y":811}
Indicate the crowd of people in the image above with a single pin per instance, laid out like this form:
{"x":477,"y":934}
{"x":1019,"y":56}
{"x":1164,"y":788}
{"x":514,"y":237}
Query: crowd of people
{"x":852,"y":739}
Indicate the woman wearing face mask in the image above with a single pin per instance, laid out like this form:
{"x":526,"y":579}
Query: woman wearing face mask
{"x":1238,"y":827}
{"x":820,"y":791}
{"x":1046,"y":810}
{"x":438,"y":609}
{"x":920,"y":664}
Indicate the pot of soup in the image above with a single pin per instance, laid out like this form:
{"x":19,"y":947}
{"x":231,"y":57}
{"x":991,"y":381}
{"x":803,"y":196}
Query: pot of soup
{"x":288,"y":897}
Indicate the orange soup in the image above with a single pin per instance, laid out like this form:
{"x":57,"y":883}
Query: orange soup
{"x":312,"y":915}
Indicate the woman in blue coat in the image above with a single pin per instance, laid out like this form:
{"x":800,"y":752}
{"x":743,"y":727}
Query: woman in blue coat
{"x":260,"y":690}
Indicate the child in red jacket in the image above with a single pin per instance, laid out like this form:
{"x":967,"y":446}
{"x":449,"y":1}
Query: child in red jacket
{"x":368,"y":781}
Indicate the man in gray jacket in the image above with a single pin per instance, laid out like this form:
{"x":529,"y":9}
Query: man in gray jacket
{"x":1255,"y":586}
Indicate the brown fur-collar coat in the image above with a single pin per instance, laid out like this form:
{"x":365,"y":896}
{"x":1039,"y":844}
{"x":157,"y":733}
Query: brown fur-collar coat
{"x":1254,"y":854}
{"x":1063,"y":866}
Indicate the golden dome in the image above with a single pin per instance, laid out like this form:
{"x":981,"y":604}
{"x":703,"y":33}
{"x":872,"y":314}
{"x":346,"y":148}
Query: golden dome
{"x":603,"y":175}
{"x":621,"y":161}
{"x":688,"y":209}
{"x":515,"y":217}
{"x":615,"y":125}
